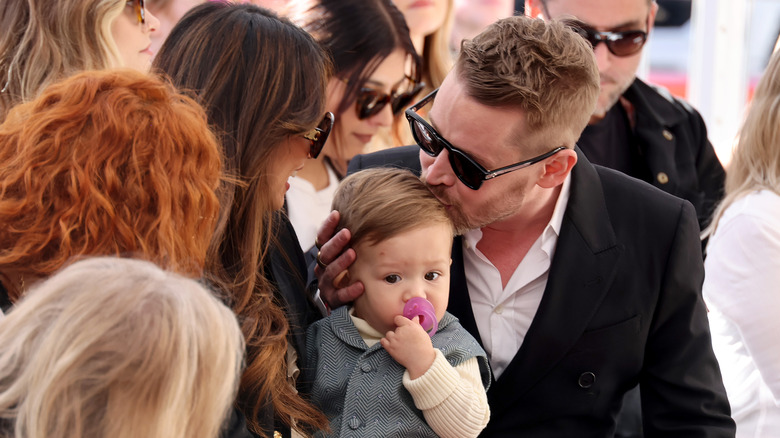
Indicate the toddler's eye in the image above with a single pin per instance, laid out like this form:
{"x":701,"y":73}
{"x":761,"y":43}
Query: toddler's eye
{"x":393,"y":278}
{"x":430,"y":276}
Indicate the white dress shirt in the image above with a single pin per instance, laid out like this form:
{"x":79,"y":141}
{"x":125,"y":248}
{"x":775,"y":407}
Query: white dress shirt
{"x":504,"y":314}
{"x":307,"y":208}
{"x":742,"y":292}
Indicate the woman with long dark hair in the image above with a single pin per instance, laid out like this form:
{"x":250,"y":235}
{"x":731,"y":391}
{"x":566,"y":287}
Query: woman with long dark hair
{"x":262,"y":82}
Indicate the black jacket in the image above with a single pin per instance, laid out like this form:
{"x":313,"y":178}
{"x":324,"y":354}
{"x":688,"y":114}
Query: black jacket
{"x":673,"y":139}
{"x":287,"y":270}
{"x":622,"y":306}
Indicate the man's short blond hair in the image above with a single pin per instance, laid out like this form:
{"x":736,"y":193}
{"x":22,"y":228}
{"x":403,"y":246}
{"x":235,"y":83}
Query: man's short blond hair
{"x":542,"y":68}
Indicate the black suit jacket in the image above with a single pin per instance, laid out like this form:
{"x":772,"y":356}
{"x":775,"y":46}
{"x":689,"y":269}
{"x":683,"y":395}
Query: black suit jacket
{"x":622,"y":306}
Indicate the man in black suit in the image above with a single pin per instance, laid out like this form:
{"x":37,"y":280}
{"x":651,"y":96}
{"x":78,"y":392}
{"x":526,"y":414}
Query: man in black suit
{"x":636,"y":128}
{"x":578,"y":281}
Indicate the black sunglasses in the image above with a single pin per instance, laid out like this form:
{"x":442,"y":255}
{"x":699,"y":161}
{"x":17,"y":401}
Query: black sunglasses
{"x":370,"y":102}
{"x":140,"y":9}
{"x":468,"y":171}
{"x":624,"y":43}
{"x":319,"y":135}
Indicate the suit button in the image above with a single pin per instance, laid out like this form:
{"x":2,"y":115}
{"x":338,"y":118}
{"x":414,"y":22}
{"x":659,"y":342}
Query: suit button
{"x":586,"y":380}
{"x":366,"y":368}
{"x":354,"y":423}
{"x":662,"y":177}
{"x":668,"y":135}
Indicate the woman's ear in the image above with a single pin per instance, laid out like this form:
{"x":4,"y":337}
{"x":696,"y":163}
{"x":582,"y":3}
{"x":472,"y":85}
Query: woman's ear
{"x":557,"y":168}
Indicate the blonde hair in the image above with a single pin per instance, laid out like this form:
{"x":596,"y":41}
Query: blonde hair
{"x":542,"y":68}
{"x":118,"y":347}
{"x":436,"y":56}
{"x":287,"y":72}
{"x":436,"y":63}
{"x":46,"y":40}
{"x":380,"y":203}
{"x":755,"y":163}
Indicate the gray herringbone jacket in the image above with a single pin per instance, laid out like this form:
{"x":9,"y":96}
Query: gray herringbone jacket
{"x":360,"y":389}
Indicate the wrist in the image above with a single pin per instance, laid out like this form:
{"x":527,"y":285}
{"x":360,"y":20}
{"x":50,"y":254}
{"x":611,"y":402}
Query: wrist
{"x":421,"y":366}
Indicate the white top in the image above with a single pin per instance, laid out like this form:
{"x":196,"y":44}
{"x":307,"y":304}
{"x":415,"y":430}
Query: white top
{"x":742,"y":292}
{"x":307,"y":208}
{"x":504,"y":315}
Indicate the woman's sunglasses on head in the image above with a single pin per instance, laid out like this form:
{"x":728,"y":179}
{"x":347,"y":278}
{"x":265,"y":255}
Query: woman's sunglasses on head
{"x":624,"y":43}
{"x":468,"y":171}
{"x":140,"y":9}
{"x":319,"y":135}
{"x":370,"y":102}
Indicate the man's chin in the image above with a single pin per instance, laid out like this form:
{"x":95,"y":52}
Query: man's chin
{"x":601,"y":110}
{"x":596,"y":117}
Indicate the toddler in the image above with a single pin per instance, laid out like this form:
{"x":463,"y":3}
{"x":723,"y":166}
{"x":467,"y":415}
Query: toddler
{"x":373,"y":371}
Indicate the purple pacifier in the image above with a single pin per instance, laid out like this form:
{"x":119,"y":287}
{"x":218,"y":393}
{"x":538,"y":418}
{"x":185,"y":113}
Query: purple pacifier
{"x":423,"y":308}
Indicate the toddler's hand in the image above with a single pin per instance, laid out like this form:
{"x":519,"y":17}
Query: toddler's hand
{"x":410,"y":346}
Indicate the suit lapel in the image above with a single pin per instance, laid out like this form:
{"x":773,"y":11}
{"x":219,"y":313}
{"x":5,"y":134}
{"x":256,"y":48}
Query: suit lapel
{"x":582,"y":270}
{"x":460,"y":303}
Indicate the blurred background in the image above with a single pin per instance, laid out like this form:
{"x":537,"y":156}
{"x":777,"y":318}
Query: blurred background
{"x":712,"y":53}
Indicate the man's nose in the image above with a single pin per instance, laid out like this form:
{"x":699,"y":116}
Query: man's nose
{"x":439,"y":171}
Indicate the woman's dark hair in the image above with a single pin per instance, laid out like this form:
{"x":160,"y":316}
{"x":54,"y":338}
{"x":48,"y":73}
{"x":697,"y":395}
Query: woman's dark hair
{"x":359,"y":35}
{"x":260,"y":79}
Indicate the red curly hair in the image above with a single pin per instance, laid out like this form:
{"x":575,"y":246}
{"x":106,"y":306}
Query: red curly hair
{"x":107,"y":163}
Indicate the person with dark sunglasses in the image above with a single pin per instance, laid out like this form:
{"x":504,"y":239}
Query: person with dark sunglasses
{"x":636,"y":128}
{"x":262,"y":81}
{"x":377,"y":75}
{"x":577,"y":280}
{"x":44,"y":41}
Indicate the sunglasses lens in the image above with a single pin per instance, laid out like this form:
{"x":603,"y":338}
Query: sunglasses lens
{"x":628,"y":43}
{"x":425,"y":138}
{"x":619,"y":43}
{"x":319,"y":135}
{"x":468,"y":174}
{"x":370,"y":102}
{"x":403,"y":100}
{"x":432,"y":145}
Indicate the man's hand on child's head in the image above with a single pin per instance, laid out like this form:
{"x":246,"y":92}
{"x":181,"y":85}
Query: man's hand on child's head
{"x":410,"y":346}
{"x":332,"y":261}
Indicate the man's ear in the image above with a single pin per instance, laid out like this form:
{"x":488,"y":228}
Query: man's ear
{"x":557,"y":168}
